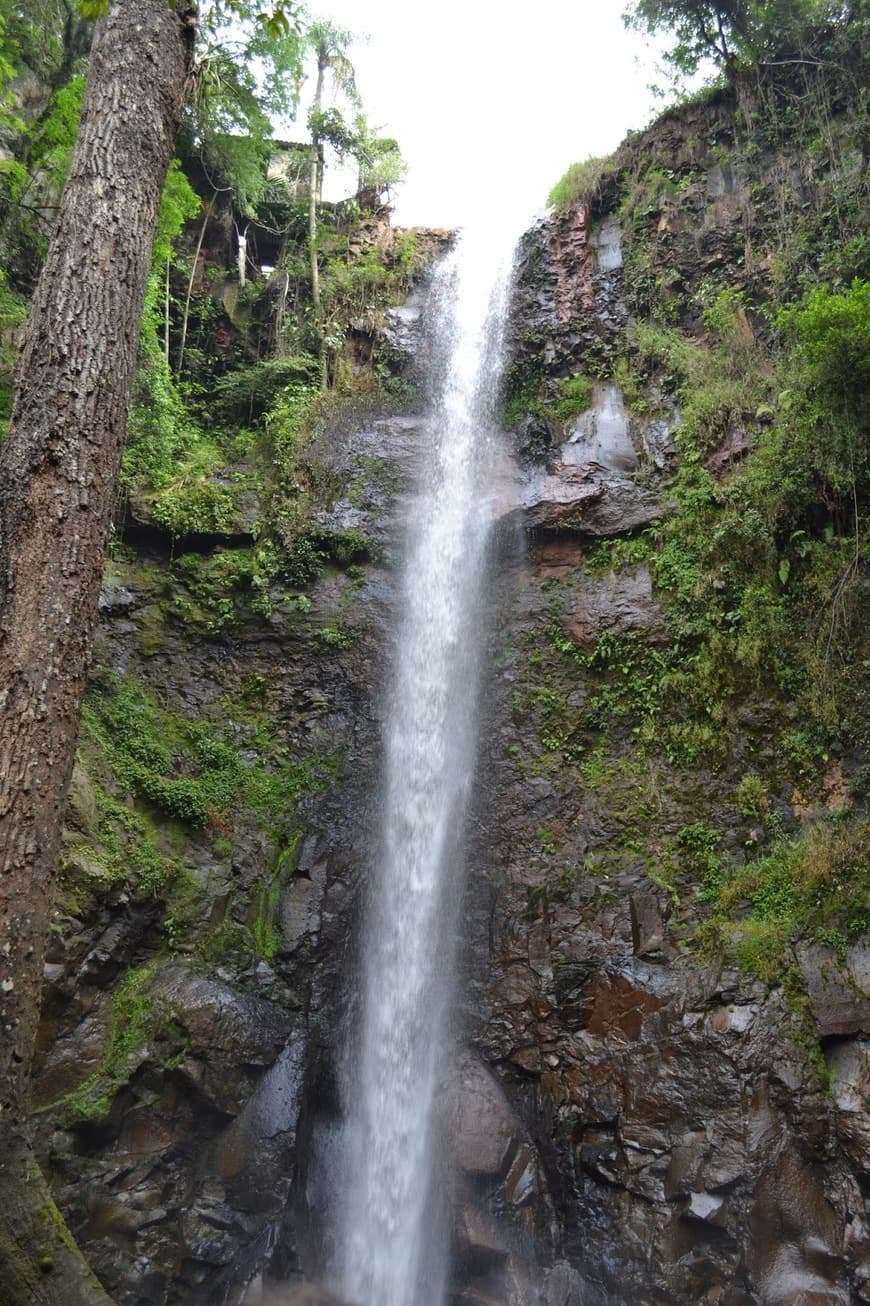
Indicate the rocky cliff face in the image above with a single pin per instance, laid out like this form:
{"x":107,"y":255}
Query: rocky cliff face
{"x":634,"y":1114}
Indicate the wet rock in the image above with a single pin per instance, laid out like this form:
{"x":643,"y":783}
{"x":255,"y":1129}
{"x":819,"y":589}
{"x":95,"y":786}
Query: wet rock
{"x":74,"y":1056}
{"x":115,"y":599}
{"x":480,"y":1243}
{"x":403,"y":331}
{"x":606,"y":241}
{"x":229,"y":1034}
{"x":600,"y":438}
{"x":306,"y":1294}
{"x":476,"y":1118}
{"x":573,"y":499}
{"x":839,"y":996}
{"x":564,"y":1286}
{"x":521,"y":1184}
{"x":849,"y":1061}
{"x":618,"y":602}
{"x":704,"y":1206}
{"x":301,"y":905}
{"x":536,"y":438}
{"x":647,"y":925}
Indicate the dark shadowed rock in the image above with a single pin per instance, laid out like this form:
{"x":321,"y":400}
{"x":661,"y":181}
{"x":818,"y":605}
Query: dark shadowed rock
{"x":647,"y":925}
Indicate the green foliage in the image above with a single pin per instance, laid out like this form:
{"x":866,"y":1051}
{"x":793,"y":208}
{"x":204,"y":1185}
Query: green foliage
{"x":579,"y":183}
{"x":13,"y":312}
{"x":47,"y":37}
{"x":189,"y":769}
{"x":379,"y":158}
{"x":183,"y":767}
{"x":134,"y":1021}
{"x":161,"y":433}
{"x":816,"y":886}
{"x":752,"y":797}
{"x":554,"y":402}
{"x":245,"y":394}
{"x":32,"y":178}
{"x":832,"y":334}
{"x":575,"y":396}
{"x":50,"y":144}
{"x":359,"y":287}
{"x":179,"y":203}
{"x":329,"y":126}
{"x":213,"y":592}
{"x":195,"y":507}
{"x":699,"y":848}
{"x":746,"y":562}
{"x":125,"y":848}
{"x":332,"y":636}
{"x":249,"y":69}
{"x":734,"y":34}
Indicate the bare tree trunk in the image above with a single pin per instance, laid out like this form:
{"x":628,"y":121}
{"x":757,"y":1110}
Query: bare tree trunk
{"x":58,"y":475}
{"x":190,"y":281}
{"x":314,"y":170}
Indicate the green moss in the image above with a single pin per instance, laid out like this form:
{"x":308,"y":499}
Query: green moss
{"x":817,"y":886}
{"x":196,"y":507}
{"x":161,"y":780}
{"x":153,"y":629}
{"x":183,"y":767}
{"x":265,"y":931}
{"x":575,"y":396}
{"x":132,"y":1023}
{"x":335,"y":637}
{"x":50,"y":1218}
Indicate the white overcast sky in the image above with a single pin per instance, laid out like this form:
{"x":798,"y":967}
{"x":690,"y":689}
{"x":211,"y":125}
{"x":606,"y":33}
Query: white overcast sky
{"x":485,"y":97}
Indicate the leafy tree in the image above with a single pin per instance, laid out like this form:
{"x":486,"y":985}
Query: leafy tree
{"x":245,"y":75}
{"x":733,"y":34}
{"x":50,"y":38}
{"x":379,"y":160}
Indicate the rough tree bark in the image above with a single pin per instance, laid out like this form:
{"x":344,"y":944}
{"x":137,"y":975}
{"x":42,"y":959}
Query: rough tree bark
{"x":58,"y":474}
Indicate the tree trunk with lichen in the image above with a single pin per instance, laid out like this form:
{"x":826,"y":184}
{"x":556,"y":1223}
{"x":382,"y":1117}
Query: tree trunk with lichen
{"x":58,"y":476}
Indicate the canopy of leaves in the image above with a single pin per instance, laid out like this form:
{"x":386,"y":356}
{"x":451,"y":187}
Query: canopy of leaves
{"x":380,"y":160}
{"x":833,"y":333}
{"x":733,"y":34}
{"x":248,"y":72}
{"x":49,"y":38}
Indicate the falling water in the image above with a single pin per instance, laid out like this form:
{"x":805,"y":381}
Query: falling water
{"x":392,"y":1254}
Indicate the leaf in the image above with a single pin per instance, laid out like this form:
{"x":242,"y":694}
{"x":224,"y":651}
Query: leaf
{"x":784,"y":570}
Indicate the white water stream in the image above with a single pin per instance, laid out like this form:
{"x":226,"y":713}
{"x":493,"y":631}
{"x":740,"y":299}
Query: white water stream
{"x":391,"y":1252}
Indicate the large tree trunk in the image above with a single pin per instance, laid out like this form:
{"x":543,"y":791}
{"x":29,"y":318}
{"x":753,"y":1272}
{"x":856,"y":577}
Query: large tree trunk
{"x":58,"y":476}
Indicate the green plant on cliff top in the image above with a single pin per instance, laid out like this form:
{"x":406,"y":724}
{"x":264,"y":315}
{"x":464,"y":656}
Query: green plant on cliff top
{"x":580,"y":182}
{"x":732,"y":35}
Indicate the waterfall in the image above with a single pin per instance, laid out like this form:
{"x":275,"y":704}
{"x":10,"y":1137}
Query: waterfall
{"x":391,"y":1252}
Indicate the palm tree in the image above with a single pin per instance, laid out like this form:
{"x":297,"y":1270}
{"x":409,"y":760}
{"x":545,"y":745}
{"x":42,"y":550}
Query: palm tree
{"x":330,"y":45}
